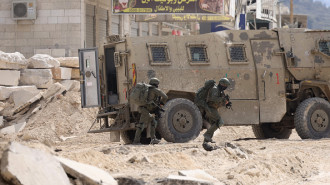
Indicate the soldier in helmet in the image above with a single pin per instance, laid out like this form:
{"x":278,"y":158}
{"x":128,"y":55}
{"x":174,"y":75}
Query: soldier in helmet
{"x":155,"y":96}
{"x":214,"y":99}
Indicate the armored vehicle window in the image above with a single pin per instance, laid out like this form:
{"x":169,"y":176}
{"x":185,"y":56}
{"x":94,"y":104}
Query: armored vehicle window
{"x":324,"y":47}
{"x":197,"y":54}
{"x":158,"y":54}
{"x":237,"y":53}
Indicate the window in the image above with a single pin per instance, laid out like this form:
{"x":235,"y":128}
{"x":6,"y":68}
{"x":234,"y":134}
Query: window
{"x":236,"y":53}
{"x":197,"y":54}
{"x":158,"y":54}
{"x":324,"y":47}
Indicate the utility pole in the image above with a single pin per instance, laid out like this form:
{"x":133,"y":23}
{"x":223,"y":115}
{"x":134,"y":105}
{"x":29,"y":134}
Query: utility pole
{"x":291,"y":12}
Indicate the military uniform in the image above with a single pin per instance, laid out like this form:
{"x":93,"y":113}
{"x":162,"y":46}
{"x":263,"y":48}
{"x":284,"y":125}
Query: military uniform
{"x":147,"y":110}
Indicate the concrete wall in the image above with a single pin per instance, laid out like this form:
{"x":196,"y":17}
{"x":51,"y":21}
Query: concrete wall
{"x":58,"y":26}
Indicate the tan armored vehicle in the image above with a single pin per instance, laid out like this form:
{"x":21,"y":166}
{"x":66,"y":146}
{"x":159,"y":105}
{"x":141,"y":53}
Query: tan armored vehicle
{"x":280,"y":80}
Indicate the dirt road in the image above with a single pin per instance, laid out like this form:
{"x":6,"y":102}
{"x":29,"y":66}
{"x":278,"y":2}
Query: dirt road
{"x":243,"y":160}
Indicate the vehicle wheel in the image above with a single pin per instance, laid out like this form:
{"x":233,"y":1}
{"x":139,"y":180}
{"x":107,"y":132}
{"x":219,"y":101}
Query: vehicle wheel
{"x":312,"y":119}
{"x":128,"y":137}
{"x":271,"y":130}
{"x":181,"y":121}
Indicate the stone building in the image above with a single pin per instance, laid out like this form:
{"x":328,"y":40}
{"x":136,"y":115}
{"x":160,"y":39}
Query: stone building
{"x":61,"y":27}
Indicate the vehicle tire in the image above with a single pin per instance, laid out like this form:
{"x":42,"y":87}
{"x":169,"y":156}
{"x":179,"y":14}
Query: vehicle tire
{"x":128,"y":137}
{"x":181,"y":121}
{"x":312,"y":119}
{"x":270,"y":130}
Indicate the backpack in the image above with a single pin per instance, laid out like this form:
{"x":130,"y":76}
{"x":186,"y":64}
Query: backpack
{"x":139,"y":94}
{"x":202,"y":93}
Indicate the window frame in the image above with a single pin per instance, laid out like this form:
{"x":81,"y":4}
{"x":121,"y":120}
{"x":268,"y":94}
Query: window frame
{"x":319,"y":49}
{"x":167,"y":54}
{"x":230,"y":61}
{"x":191,"y":62}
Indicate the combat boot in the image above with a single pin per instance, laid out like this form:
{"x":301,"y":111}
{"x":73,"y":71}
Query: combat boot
{"x":154,"y":141}
{"x":209,"y":133}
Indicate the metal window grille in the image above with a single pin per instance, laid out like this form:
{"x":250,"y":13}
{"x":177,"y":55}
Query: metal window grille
{"x":237,"y":53}
{"x":324,"y":47}
{"x":198,"y":54}
{"x":159,"y":54}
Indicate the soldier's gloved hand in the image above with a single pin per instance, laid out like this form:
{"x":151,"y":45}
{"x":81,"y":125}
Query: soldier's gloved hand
{"x":228,"y":105}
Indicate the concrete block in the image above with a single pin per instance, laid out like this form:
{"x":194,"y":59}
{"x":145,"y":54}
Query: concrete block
{"x":43,"y":51}
{"x":23,"y":165}
{"x":87,"y":174}
{"x":75,"y":73}
{"x":42,"y":78}
{"x":62,"y":73}
{"x":199,"y":174}
{"x":6,"y":92}
{"x":1,"y":121}
{"x":21,"y":97}
{"x":52,"y":20}
{"x":72,"y":12}
{"x":71,"y":85}
{"x":29,"y":102}
{"x":13,"y":129}
{"x":74,"y":19}
{"x":58,"y":53}
{"x":57,"y":13}
{"x":72,"y":62}
{"x":9,"y":77}
{"x":62,"y":20}
{"x":12,"y":60}
{"x":53,"y":90}
{"x":42,"y":61}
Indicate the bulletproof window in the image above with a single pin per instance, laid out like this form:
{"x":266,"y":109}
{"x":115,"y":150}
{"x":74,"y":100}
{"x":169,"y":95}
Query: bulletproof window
{"x":158,"y":54}
{"x":324,"y":47}
{"x":236,"y":53}
{"x":197,"y":54}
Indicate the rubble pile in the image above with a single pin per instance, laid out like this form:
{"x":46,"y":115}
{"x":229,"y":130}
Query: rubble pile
{"x":27,"y":85}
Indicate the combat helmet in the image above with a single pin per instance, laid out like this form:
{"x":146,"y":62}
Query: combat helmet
{"x":223,"y":84}
{"x":154,"y":82}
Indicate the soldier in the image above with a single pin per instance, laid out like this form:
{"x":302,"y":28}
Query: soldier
{"x":214,"y":98}
{"x":155,"y":97}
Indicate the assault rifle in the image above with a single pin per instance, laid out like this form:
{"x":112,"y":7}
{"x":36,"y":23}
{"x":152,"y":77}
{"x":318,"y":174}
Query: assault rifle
{"x":229,"y":104}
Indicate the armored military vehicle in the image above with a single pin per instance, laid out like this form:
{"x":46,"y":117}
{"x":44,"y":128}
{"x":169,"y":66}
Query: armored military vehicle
{"x":280,"y":80}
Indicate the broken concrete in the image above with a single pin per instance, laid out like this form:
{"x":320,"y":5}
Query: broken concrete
{"x":53,"y":90}
{"x":75,"y":73}
{"x":71,"y":85}
{"x":123,"y":179}
{"x":5,"y":92}
{"x":1,"y":121}
{"x":72,"y":62}
{"x":9,"y":77}
{"x":42,"y":78}
{"x":12,"y":61}
{"x":23,"y":165}
{"x":176,"y":179}
{"x":199,"y":174}
{"x":21,"y":97}
{"x":42,"y":61}
{"x":32,"y":100}
{"x":61,"y":73}
{"x":13,"y":129}
{"x":86,"y":173}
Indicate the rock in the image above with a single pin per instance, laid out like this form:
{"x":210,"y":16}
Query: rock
{"x":72,"y":62}
{"x":71,"y":85}
{"x":146,"y":159}
{"x":65,"y":138}
{"x":32,"y":100}
{"x":1,"y":121}
{"x":13,"y":129}
{"x":127,"y":180}
{"x":53,"y":90}
{"x":21,"y":97}
{"x":86,"y":173}
{"x":9,"y":77}
{"x":42,"y":61}
{"x":12,"y":61}
{"x":132,"y":159}
{"x":23,"y":165}
{"x":6,"y":92}
{"x":42,"y":78}
{"x":176,"y":179}
{"x":62,"y":73}
{"x":75,"y":73}
{"x":199,"y":174}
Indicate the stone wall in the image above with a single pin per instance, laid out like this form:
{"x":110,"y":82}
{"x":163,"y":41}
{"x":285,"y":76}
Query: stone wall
{"x":56,"y":31}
